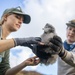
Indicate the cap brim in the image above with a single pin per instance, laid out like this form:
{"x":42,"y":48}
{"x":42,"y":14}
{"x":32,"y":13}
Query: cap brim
{"x":26,"y":17}
{"x":69,"y":24}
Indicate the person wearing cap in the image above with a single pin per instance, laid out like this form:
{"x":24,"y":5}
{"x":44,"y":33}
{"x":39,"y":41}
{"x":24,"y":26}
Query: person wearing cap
{"x":65,"y":50}
{"x":11,"y":21}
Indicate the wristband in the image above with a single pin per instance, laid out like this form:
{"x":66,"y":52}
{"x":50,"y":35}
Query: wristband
{"x":62,"y":54}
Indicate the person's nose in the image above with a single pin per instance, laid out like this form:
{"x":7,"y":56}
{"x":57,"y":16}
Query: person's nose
{"x":20,"y":21}
{"x":71,"y":32}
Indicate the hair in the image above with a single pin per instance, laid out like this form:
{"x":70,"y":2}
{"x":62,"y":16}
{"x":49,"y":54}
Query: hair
{"x":1,"y":21}
{"x":3,"y":18}
{"x":70,"y":26}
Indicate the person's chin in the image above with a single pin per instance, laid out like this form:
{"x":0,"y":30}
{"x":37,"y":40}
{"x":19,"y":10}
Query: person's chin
{"x":15,"y":30}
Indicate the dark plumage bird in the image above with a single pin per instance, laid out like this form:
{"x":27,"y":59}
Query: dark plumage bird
{"x":45,"y":53}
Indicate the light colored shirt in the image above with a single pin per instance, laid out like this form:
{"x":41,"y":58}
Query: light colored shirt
{"x":66,"y":66}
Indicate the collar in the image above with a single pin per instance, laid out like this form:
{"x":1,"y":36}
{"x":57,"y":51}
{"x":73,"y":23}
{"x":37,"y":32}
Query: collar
{"x":69,"y":47}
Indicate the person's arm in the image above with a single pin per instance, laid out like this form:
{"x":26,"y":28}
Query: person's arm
{"x":9,"y":43}
{"x":6,"y":44}
{"x":29,"y":62}
{"x":69,"y":58}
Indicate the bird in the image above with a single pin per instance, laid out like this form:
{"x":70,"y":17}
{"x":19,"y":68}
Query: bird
{"x":49,"y":32}
{"x":45,"y":53}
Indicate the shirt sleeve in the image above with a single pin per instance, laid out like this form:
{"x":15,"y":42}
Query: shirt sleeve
{"x":70,"y":58}
{"x":4,"y":65}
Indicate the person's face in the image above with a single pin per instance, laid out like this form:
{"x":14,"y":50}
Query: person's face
{"x":14,"y":21}
{"x":70,"y":34}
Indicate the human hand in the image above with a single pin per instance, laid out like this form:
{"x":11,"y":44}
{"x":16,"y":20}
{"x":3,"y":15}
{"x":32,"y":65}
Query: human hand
{"x":27,"y":41}
{"x":32,"y":61}
{"x":56,"y":44}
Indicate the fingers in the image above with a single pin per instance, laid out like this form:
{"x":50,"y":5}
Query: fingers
{"x":37,"y":38}
{"x":56,"y":43}
{"x":36,"y":59}
{"x":57,"y":38}
{"x":55,"y":48}
{"x":41,"y":43}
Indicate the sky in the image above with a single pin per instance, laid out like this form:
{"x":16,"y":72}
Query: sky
{"x":55,"y":12}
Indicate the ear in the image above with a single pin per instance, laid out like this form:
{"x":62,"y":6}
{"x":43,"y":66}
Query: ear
{"x":5,"y":17}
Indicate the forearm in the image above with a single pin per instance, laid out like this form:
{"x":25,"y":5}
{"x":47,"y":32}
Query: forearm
{"x":69,"y":58}
{"x":6,"y":44}
{"x":9,"y":43}
{"x":16,"y":69}
{"x":29,"y":62}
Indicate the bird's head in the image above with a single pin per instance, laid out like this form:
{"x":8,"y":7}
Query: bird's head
{"x":48,"y":28}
